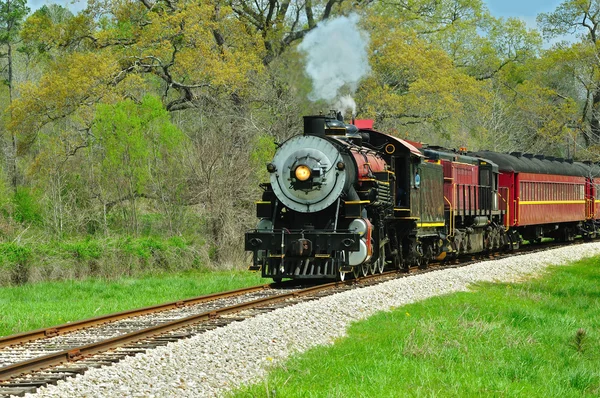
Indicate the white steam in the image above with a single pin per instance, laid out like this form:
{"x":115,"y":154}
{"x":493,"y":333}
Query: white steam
{"x":337,"y":59}
{"x":345,"y":104}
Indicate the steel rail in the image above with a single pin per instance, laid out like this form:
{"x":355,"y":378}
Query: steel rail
{"x":83,"y":351}
{"x":78,"y":325}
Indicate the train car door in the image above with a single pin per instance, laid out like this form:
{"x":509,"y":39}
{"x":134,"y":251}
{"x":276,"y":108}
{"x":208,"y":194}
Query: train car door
{"x":590,"y":196}
{"x":486,"y":186}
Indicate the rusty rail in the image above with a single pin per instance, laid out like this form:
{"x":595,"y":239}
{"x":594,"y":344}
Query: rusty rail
{"x":78,"y":325}
{"x":77,"y":353}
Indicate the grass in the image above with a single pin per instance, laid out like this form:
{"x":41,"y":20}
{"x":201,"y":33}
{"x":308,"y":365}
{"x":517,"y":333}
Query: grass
{"x":34,"y":306}
{"x":536,"y":339}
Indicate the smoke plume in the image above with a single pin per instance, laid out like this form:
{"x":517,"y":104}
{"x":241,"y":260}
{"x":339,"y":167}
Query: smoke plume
{"x":337,"y":59}
{"x":345,"y":104}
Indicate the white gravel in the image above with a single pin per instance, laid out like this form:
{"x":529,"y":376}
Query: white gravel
{"x":222,"y":359}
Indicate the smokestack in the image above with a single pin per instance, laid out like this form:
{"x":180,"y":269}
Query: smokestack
{"x":314,"y":125}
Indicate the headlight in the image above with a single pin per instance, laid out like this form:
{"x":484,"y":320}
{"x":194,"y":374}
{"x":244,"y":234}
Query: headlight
{"x":302,"y":173}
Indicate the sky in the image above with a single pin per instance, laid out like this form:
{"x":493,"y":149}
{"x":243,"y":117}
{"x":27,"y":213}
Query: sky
{"x":73,"y":5}
{"x":524,"y":9}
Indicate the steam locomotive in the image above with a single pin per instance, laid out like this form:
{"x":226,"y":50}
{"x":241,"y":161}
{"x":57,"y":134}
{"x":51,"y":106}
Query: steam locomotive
{"x":345,"y":199}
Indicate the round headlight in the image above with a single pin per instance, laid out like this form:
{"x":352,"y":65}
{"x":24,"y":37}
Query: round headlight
{"x":302,"y":173}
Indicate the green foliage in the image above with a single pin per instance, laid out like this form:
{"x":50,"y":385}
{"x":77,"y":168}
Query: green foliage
{"x":12,"y":14}
{"x":144,"y":247}
{"x":140,"y":149}
{"x":123,"y":130}
{"x":12,"y":253}
{"x":130,"y":133}
{"x":15,"y":259}
{"x":570,"y":15}
{"x":578,"y":63}
{"x":177,"y":241}
{"x":36,"y":261}
{"x":27,"y":208}
{"x":83,"y":250}
{"x":263,"y":152}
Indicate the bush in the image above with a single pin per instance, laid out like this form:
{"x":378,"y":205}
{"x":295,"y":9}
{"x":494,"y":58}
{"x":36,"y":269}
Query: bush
{"x":105,"y":258}
{"x":85,"y":250}
{"x":143,"y":247}
{"x":26,"y":207}
{"x":16,"y":259}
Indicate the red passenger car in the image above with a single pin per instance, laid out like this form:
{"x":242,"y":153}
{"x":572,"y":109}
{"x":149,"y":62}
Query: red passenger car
{"x":544,"y":196}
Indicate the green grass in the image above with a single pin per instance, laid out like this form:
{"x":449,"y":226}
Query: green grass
{"x":536,"y":339}
{"x":34,"y":306}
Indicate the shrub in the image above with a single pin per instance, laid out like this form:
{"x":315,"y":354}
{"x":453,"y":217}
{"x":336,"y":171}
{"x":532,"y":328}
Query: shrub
{"x":26,"y":206}
{"x":16,"y":259}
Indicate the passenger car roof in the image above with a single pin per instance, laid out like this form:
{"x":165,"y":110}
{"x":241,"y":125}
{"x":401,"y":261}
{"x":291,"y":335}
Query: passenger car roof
{"x":519,"y":163}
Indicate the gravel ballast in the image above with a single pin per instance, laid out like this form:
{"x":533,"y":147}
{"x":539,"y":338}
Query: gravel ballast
{"x":217,"y":361}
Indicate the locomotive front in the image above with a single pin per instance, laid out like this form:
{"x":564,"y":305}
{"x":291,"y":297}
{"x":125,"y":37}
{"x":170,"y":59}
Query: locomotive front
{"x":313,"y":223}
{"x":308,"y":173}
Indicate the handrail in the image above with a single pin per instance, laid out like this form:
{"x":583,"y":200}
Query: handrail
{"x":507,"y":217}
{"x":451,"y":217}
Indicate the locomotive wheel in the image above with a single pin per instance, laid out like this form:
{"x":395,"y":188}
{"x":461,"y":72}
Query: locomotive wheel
{"x":381,"y":264}
{"x":365,"y":269}
{"x":356,"y":271}
{"x":373,"y":268}
{"x":339,"y":259}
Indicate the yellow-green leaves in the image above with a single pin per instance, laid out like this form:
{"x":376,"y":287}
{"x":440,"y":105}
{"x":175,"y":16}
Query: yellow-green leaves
{"x":413,"y":80}
{"x":72,"y":86}
{"x":197,"y":50}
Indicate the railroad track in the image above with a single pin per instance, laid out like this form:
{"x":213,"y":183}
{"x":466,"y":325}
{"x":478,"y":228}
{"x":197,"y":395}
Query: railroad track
{"x":38,"y":358}
{"x":34,"y":359}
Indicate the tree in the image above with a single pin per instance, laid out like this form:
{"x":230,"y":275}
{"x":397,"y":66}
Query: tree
{"x":137,"y":144}
{"x":283,"y":23}
{"x":583,"y":17}
{"x":12,"y":13}
{"x":195,"y":53}
{"x":46,"y":29}
{"x":475,"y":41}
{"x":414,"y":82}
{"x":440,"y":67}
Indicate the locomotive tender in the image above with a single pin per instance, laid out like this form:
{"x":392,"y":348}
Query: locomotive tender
{"x":345,"y":198}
